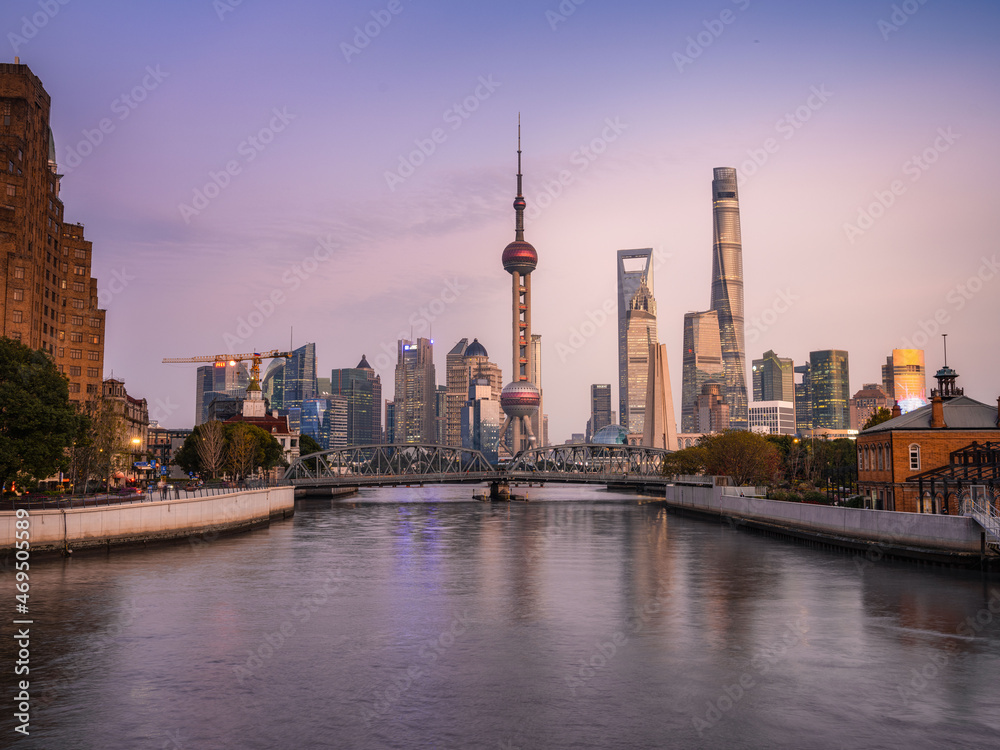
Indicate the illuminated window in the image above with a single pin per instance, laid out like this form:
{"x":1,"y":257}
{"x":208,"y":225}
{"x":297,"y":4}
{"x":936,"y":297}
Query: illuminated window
{"x":18,"y":294}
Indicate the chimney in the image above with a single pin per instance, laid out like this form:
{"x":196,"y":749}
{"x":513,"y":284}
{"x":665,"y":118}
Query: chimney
{"x":937,"y":413}
{"x":896,"y":411}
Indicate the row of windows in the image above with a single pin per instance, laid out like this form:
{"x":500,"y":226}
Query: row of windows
{"x":879,"y":458}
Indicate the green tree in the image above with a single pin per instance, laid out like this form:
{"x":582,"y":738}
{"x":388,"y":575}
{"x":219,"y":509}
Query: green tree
{"x":247,"y":448}
{"x":307,"y":445}
{"x":685,"y":461}
{"x":746,"y":457}
{"x":37,"y":419}
{"x":880,"y":416}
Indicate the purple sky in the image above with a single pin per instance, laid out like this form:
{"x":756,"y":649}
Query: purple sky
{"x":821,"y":107}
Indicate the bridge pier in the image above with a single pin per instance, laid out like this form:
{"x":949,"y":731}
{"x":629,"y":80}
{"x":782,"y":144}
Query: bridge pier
{"x":500,"y":491}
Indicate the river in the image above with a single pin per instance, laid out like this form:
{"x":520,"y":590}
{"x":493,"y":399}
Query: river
{"x":416,"y":618}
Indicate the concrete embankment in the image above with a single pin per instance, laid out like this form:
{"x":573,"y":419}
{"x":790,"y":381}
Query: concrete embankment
{"x":60,"y":530}
{"x":950,"y":540}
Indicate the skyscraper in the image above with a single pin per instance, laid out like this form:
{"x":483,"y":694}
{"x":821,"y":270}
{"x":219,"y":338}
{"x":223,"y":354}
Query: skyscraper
{"x":50,"y":299}
{"x":415,"y":397}
{"x":600,"y":408}
{"x":727,"y":290}
{"x":361,"y":387}
{"x":659,"y":426}
{"x":640,"y":335}
{"x":634,"y":267}
{"x":300,"y":376}
{"x":904,"y":378}
{"x":272,"y":385}
{"x":773,"y":378}
{"x":520,"y":398}
{"x":804,"y":398}
{"x":220,"y":380}
{"x":464,"y":362}
{"x":831,"y":389}
{"x":481,"y":420}
{"x":538,"y":421}
{"x":702,"y":362}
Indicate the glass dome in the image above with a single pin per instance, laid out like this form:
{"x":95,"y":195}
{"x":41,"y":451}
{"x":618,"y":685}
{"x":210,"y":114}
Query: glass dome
{"x":611,"y":434}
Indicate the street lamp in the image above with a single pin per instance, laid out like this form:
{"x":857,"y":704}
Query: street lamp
{"x":136,"y":442}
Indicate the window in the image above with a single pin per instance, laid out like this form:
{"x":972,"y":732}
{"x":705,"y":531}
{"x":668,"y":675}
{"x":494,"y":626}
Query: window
{"x":95,"y":356}
{"x":95,"y":322}
{"x":17,"y":316}
{"x":91,"y":387}
{"x":76,"y":354}
{"x":93,"y":372}
{"x":76,"y":320}
{"x":74,"y":371}
{"x":95,"y":339}
{"x":76,"y":338}
{"x":74,"y":387}
{"x":878,"y":451}
{"x":914,"y":457}
{"x":62,"y":352}
{"x":16,"y":336}
{"x":79,"y":270}
{"x":18,"y":272}
{"x":18,"y":294}
{"x":80,"y":254}
{"x":11,"y":190}
{"x":78,"y":304}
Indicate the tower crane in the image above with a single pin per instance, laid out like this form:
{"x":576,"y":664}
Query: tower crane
{"x":232,"y":359}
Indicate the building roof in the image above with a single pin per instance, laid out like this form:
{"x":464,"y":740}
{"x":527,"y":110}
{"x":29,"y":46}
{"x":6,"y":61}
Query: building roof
{"x":363,"y":364}
{"x":475,"y":349}
{"x":960,"y":413}
{"x":274,"y":425}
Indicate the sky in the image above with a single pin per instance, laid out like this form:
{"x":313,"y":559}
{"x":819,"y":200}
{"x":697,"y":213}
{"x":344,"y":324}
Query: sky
{"x":257,"y":175}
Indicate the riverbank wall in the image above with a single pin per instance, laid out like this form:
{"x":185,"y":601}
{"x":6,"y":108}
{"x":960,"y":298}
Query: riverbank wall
{"x":63,"y":530}
{"x":939,"y":539}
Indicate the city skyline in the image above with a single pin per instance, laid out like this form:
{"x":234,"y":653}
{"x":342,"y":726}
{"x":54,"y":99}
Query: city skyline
{"x":888,"y":149}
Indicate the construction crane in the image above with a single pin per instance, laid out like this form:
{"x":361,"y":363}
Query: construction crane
{"x":232,"y":359}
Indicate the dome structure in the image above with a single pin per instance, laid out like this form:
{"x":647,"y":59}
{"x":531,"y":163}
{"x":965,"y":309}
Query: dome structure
{"x":612,"y":434}
{"x":519,"y":398}
{"x":475,"y":349}
{"x":520,"y":257}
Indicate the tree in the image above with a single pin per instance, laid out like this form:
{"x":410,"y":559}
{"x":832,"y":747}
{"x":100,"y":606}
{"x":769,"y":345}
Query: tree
{"x":259,"y":450}
{"x":211,"y":447}
{"x":307,"y":445}
{"x":745,"y":456}
{"x":37,"y":419}
{"x":685,"y":461}
{"x":242,"y":452}
{"x":880,"y":416}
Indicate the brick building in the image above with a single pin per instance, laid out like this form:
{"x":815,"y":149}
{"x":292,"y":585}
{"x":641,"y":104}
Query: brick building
{"x":49,"y":298}
{"x":892,"y":455}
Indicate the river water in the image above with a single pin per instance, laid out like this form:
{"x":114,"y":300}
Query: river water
{"x":415,"y":618}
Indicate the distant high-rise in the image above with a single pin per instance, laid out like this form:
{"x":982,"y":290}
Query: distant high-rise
{"x":481,"y":420}
{"x":773,"y":378}
{"x":804,"y":398}
{"x":390,"y":423}
{"x":866,"y":402}
{"x":634,"y":267}
{"x":831,"y":390}
{"x":702,"y":362}
{"x":727,"y":290}
{"x":272,"y":385}
{"x":713,"y":411}
{"x":640,"y":335}
{"x":464,"y":362}
{"x":659,"y":426}
{"x":600,"y":408}
{"x":219,"y":381}
{"x":361,"y":387}
{"x":299,"y":377}
{"x":904,"y":378}
{"x":415,"y":396}
{"x":440,"y":421}
{"x":538,"y":421}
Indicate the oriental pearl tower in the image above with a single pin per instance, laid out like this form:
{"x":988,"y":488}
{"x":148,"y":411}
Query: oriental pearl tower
{"x":520,"y":398}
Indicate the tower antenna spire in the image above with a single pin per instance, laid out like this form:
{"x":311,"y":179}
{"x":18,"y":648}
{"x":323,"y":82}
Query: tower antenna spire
{"x":944,"y":337}
{"x":519,"y":202}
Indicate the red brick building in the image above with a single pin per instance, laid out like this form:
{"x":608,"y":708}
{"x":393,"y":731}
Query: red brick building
{"x":892,"y":454}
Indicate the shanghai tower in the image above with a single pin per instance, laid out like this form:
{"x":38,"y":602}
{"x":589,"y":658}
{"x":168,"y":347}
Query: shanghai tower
{"x":727,"y":291}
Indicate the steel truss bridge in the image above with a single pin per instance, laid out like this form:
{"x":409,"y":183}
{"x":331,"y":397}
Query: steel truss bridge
{"x":410,"y":464}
